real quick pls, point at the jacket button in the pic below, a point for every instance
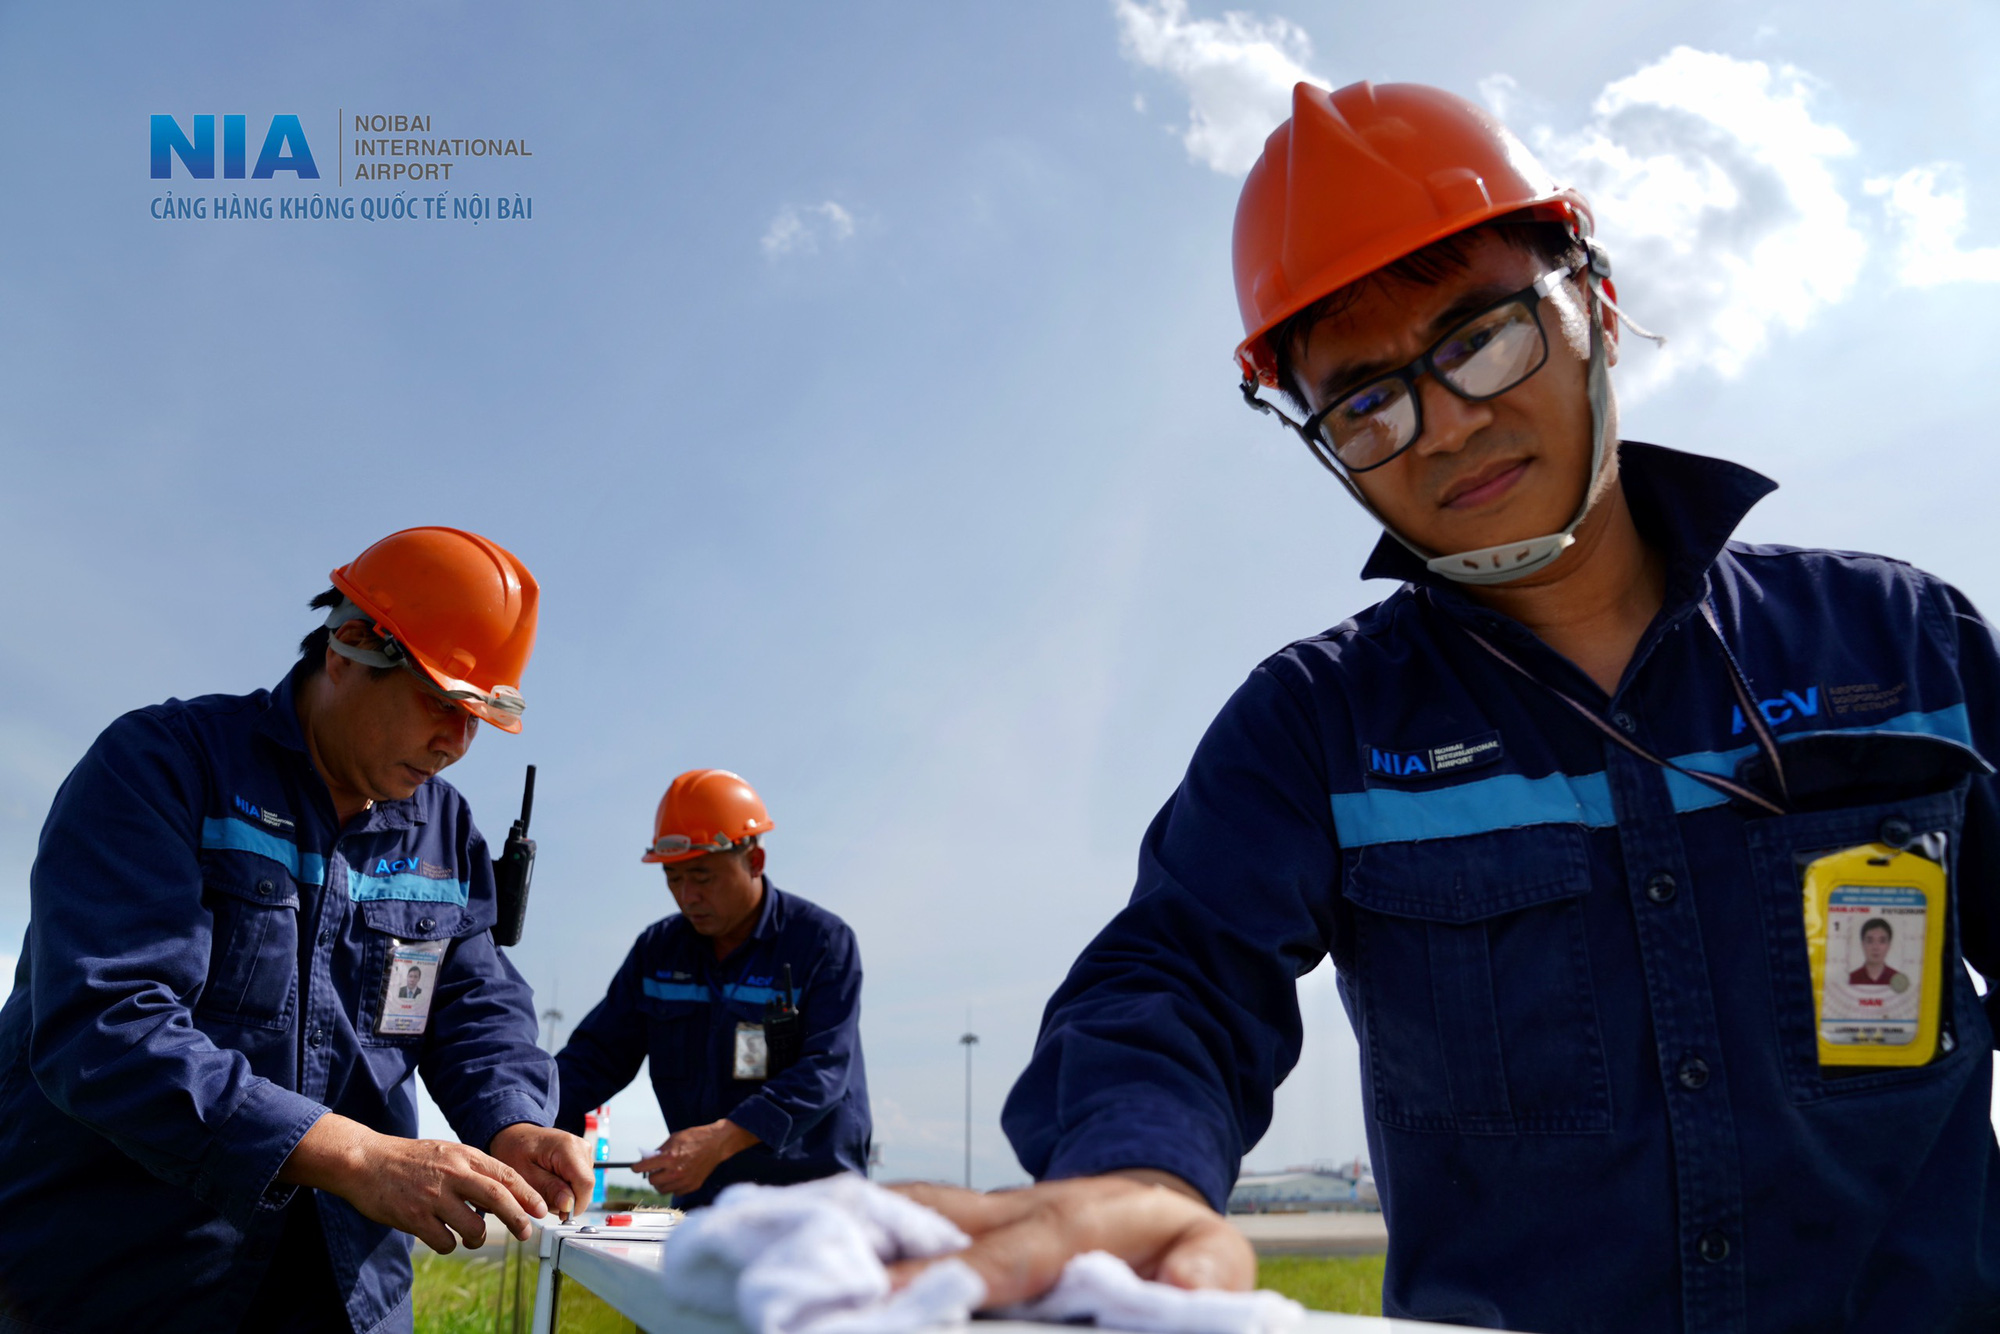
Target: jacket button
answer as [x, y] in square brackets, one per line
[1713, 1246]
[1896, 831]
[1624, 720]
[265, 889]
[1661, 888]
[316, 1038]
[426, 923]
[1694, 1073]
[326, 936]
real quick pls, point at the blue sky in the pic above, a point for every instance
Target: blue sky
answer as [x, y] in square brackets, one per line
[860, 392]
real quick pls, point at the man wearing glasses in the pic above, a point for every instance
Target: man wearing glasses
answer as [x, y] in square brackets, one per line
[1558, 809]
[745, 1005]
[221, 1001]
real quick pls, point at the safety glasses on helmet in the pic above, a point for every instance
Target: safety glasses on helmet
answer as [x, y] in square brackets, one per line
[503, 699]
[667, 845]
[1480, 359]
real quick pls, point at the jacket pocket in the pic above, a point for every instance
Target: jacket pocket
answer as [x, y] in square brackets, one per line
[1779, 848]
[384, 922]
[254, 951]
[1473, 973]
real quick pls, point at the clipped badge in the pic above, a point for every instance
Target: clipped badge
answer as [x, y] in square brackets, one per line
[1874, 918]
[409, 985]
[753, 1052]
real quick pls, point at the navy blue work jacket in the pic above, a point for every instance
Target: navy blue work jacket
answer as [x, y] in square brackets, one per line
[675, 1006]
[205, 962]
[1579, 980]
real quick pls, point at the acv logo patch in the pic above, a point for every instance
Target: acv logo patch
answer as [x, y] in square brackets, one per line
[411, 866]
[1779, 710]
[1431, 761]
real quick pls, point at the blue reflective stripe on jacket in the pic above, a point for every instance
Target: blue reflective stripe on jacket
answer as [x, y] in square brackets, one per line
[670, 1001]
[1579, 980]
[205, 960]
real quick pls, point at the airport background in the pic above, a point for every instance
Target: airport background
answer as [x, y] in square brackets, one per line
[860, 393]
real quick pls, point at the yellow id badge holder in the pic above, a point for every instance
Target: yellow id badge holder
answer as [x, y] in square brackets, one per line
[1875, 924]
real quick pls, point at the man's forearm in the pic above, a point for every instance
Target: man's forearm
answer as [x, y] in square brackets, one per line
[328, 1155]
[734, 1139]
[1153, 1176]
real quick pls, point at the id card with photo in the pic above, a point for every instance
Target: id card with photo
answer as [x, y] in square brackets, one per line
[408, 986]
[1874, 932]
[753, 1053]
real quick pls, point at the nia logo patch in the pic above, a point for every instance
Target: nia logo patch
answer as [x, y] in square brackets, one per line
[268, 818]
[1413, 766]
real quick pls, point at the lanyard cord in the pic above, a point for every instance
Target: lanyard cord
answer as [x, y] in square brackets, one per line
[1728, 787]
[710, 965]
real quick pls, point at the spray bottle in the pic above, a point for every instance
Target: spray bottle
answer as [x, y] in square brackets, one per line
[597, 1129]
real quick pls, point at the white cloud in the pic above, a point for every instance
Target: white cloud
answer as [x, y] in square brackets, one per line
[802, 229]
[1714, 188]
[1716, 181]
[1238, 72]
[1927, 207]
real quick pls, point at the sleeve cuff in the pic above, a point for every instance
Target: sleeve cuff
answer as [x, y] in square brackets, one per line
[764, 1119]
[478, 1125]
[240, 1177]
[1163, 1136]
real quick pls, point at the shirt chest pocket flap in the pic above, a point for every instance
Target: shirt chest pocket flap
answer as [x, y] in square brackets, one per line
[386, 923]
[402, 919]
[254, 948]
[1473, 971]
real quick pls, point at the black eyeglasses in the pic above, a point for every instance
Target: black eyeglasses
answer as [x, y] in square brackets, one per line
[1481, 359]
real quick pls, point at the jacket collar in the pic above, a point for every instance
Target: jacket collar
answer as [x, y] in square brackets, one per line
[771, 917]
[1686, 505]
[281, 714]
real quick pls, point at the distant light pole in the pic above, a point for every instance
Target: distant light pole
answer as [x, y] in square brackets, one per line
[969, 1040]
[552, 1018]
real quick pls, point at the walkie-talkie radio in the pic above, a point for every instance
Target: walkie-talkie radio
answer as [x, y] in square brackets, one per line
[512, 870]
[784, 1035]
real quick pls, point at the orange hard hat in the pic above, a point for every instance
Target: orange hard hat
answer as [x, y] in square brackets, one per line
[1362, 176]
[456, 608]
[705, 810]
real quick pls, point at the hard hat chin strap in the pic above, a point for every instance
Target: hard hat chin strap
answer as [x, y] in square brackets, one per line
[1510, 560]
[1517, 560]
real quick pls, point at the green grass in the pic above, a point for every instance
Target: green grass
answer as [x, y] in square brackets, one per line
[1346, 1283]
[453, 1295]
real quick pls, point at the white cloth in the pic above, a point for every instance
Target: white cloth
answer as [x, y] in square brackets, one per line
[1103, 1287]
[812, 1259]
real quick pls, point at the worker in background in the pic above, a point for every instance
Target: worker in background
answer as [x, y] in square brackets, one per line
[207, 1116]
[1569, 810]
[746, 1004]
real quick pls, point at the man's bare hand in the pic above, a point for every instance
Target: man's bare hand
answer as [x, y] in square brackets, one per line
[554, 1162]
[1021, 1239]
[425, 1187]
[679, 1166]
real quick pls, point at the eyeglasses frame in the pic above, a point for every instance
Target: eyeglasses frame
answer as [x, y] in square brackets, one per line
[1309, 432]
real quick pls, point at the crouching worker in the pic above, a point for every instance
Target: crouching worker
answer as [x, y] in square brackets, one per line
[747, 1003]
[213, 1027]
